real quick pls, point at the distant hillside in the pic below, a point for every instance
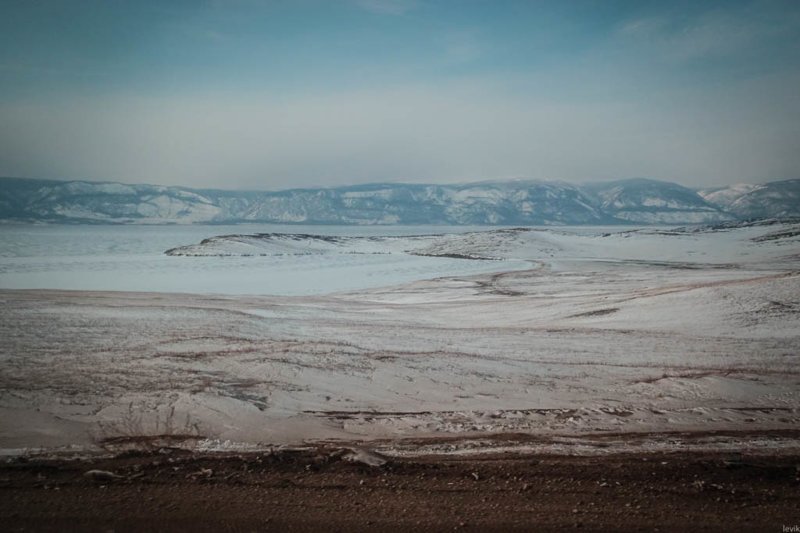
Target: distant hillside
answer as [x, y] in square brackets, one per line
[655, 202]
[776, 199]
[515, 202]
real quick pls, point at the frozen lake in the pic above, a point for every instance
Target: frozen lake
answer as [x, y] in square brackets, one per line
[131, 258]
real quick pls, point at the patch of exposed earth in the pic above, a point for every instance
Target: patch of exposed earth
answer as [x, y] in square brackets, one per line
[329, 488]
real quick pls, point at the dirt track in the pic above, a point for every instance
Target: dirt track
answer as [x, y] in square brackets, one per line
[319, 490]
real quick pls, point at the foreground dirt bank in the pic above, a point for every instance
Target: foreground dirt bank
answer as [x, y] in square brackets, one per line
[322, 490]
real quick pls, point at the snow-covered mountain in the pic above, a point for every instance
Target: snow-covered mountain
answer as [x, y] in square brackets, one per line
[82, 201]
[655, 202]
[516, 202]
[776, 199]
[483, 203]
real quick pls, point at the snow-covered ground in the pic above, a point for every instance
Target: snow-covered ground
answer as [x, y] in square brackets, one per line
[605, 333]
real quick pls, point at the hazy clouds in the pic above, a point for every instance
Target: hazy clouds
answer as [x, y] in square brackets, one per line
[700, 98]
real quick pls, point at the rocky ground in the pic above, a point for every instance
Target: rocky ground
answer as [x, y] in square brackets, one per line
[326, 489]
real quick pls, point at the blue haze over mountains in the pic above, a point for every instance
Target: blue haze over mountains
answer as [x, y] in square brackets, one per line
[515, 202]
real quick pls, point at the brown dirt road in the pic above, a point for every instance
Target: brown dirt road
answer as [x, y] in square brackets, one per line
[318, 490]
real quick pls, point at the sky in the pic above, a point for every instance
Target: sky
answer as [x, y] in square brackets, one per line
[263, 94]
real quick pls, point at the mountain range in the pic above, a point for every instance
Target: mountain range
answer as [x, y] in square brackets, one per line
[514, 202]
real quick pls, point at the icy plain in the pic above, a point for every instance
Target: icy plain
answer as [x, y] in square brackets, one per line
[569, 339]
[123, 258]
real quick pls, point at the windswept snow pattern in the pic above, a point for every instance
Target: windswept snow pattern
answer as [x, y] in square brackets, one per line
[616, 334]
[693, 244]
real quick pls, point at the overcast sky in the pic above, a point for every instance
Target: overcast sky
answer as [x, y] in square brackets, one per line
[277, 94]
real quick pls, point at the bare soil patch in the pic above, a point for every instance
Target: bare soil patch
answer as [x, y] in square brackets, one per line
[319, 489]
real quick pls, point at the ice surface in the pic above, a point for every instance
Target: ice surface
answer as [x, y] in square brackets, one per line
[121, 258]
